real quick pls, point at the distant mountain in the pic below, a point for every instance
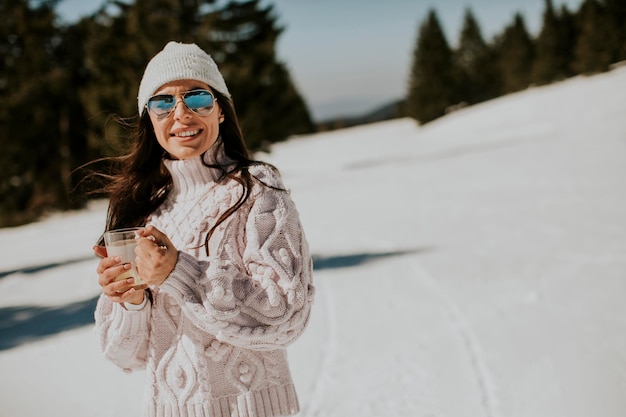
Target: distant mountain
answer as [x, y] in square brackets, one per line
[387, 111]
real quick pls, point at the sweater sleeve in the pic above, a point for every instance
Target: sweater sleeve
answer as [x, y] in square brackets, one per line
[123, 333]
[258, 296]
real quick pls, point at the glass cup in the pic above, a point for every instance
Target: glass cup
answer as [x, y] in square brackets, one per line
[122, 242]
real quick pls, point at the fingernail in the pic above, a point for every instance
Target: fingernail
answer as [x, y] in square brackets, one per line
[127, 266]
[130, 280]
[118, 259]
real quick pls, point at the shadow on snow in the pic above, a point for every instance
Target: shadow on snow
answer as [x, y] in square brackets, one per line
[24, 324]
[348, 261]
[40, 268]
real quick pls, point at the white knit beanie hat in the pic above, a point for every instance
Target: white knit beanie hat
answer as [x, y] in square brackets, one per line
[179, 61]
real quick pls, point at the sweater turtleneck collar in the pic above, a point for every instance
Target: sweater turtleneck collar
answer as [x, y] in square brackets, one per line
[190, 177]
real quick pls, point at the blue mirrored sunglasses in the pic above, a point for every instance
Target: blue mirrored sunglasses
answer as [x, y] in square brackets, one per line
[201, 102]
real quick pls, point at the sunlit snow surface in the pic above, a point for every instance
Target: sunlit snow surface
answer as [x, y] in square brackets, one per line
[475, 266]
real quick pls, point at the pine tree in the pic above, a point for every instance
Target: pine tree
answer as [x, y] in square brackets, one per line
[432, 88]
[568, 36]
[516, 54]
[616, 23]
[476, 64]
[270, 108]
[594, 47]
[554, 46]
[72, 119]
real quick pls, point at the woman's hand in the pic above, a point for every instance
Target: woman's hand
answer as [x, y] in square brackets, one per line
[118, 291]
[156, 256]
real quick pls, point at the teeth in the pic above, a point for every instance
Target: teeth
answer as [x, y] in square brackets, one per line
[188, 133]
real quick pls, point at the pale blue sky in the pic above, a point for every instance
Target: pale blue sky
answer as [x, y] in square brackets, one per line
[350, 56]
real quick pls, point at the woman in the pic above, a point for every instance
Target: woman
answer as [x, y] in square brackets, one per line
[222, 252]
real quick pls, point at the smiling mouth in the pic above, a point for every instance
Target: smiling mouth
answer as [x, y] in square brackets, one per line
[186, 134]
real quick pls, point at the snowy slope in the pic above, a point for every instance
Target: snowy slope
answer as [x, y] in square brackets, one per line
[471, 267]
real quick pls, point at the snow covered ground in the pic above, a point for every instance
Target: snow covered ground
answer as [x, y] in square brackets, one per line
[475, 266]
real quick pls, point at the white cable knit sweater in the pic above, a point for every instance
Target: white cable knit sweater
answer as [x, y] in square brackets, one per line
[213, 341]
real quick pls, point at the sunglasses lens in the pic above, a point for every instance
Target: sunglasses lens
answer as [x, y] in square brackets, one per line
[161, 105]
[200, 101]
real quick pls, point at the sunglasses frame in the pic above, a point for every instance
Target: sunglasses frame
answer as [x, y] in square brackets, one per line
[181, 97]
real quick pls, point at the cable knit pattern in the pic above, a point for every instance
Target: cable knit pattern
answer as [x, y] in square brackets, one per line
[214, 339]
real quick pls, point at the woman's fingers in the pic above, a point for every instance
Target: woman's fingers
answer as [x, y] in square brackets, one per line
[122, 295]
[117, 288]
[108, 277]
[110, 268]
[155, 238]
[106, 263]
[100, 251]
[156, 255]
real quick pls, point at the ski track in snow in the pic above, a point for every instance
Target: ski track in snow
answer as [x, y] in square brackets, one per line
[484, 381]
[329, 356]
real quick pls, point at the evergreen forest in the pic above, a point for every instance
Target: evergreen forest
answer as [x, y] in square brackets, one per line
[69, 89]
[443, 78]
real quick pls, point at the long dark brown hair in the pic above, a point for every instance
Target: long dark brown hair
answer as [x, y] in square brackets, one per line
[142, 182]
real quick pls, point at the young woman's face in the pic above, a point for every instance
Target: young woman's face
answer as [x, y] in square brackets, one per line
[184, 133]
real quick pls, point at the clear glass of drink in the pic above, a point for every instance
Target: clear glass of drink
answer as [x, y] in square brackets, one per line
[122, 242]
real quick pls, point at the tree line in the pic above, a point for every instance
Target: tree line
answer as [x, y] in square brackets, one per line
[69, 91]
[443, 78]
